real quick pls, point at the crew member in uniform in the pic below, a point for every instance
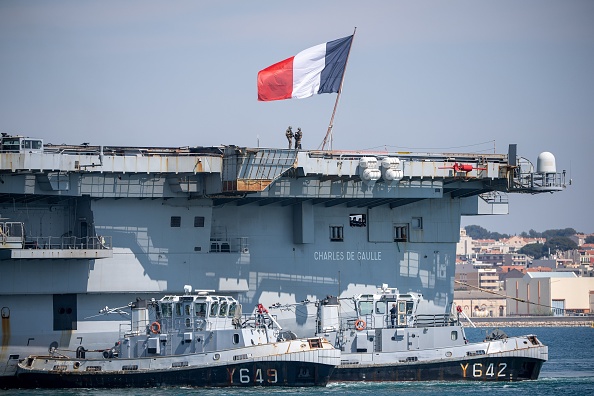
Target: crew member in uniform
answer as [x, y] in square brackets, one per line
[393, 313]
[289, 135]
[298, 136]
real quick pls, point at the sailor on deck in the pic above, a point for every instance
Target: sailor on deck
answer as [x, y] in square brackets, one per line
[298, 136]
[393, 313]
[289, 135]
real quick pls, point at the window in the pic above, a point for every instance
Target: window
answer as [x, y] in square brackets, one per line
[401, 233]
[336, 233]
[200, 309]
[199, 221]
[365, 308]
[417, 223]
[232, 308]
[166, 310]
[454, 335]
[214, 308]
[175, 221]
[358, 220]
[380, 307]
[223, 309]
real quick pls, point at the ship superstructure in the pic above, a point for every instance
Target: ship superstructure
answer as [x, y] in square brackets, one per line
[83, 226]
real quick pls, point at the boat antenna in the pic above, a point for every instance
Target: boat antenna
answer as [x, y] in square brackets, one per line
[329, 132]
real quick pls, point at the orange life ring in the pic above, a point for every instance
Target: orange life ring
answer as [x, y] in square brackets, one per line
[360, 324]
[155, 327]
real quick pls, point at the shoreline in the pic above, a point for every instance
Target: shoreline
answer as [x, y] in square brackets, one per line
[533, 321]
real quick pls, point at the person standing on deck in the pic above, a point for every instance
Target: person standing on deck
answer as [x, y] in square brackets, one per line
[298, 136]
[393, 313]
[289, 135]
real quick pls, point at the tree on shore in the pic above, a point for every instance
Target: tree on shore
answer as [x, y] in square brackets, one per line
[535, 250]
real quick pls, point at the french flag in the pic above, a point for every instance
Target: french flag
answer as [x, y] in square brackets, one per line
[315, 70]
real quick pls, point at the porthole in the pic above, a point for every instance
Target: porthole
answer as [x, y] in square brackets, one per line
[216, 356]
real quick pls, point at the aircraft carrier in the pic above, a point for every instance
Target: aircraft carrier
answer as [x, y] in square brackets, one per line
[88, 228]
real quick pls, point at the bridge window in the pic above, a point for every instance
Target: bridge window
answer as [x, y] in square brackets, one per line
[214, 308]
[166, 310]
[232, 308]
[175, 221]
[223, 309]
[417, 223]
[336, 233]
[365, 308]
[200, 309]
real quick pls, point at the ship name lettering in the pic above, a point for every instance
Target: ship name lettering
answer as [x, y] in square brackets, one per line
[245, 378]
[230, 372]
[349, 256]
[244, 375]
[329, 256]
[464, 367]
[272, 376]
[369, 256]
[258, 377]
[477, 370]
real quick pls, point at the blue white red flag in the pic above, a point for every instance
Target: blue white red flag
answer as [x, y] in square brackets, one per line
[313, 71]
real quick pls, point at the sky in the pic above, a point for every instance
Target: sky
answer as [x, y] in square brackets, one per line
[423, 76]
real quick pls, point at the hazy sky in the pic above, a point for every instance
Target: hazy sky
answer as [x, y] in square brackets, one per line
[437, 76]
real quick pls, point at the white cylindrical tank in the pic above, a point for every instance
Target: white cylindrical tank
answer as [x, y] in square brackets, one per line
[390, 169]
[368, 163]
[368, 169]
[546, 163]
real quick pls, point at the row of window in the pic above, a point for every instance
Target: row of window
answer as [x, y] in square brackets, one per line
[336, 232]
[400, 230]
[176, 221]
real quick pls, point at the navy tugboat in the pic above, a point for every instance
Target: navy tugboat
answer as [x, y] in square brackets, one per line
[389, 336]
[194, 340]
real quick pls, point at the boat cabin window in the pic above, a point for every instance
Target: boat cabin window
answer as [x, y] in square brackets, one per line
[178, 309]
[365, 307]
[232, 308]
[166, 310]
[409, 307]
[380, 307]
[223, 309]
[188, 309]
[454, 335]
[11, 145]
[214, 308]
[200, 309]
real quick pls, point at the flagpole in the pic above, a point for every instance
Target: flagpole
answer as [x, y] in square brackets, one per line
[329, 132]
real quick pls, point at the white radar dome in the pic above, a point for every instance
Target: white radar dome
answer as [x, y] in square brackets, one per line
[546, 163]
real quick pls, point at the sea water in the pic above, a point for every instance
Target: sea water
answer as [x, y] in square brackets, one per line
[569, 371]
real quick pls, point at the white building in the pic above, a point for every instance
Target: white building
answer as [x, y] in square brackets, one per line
[546, 293]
